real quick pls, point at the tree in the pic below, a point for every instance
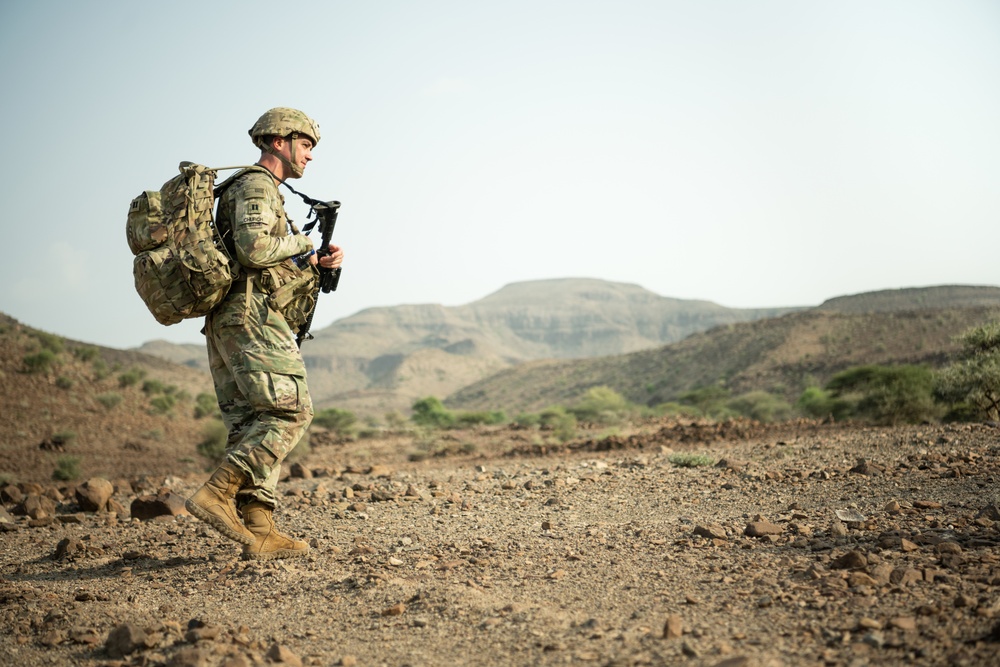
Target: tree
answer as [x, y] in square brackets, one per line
[972, 384]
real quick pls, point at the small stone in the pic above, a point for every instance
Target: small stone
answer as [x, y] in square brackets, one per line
[93, 495]
[867, 623]
[852, 560]
[966, 601]
[907, 546]
[283, 655]
[762, 529]
[394, 610]
[838, 529]
[927, 504]
[189, 656]
[905, 576]
[125, 640]
[712, 531]
[905, 623]
[674, 627]
[67, 548]
[948, 548]
[348, 661]
[146, 508]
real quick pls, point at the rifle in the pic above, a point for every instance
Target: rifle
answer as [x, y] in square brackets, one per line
[324, 213]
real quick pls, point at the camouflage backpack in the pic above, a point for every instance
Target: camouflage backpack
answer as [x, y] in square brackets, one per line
[181, 267]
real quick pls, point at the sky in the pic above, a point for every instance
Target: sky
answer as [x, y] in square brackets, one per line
[754, 154]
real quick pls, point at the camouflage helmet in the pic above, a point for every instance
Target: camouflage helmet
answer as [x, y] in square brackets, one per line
[281, 122]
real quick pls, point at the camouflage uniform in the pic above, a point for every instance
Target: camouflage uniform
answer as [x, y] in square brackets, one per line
[258, 371]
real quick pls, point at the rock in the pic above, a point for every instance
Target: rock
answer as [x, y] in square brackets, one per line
[674, 627]
[394, 610]
[852, 560]
[125, 640]
[991, 512]
[762, 529]
[948, 548]
[68, 548]
[850, 516]
[283, 655]
[712, 531]
[905, 623]
[189, 656]
[299, 471]
[94, 494]
[11, 495]
[149, 507]
[5, 516]
[838, 529]
[927, 504]
[905, 576]
[36, 506]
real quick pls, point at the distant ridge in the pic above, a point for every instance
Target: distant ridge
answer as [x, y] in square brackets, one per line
[915, 298]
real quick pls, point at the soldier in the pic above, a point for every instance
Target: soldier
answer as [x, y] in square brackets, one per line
[258, 371]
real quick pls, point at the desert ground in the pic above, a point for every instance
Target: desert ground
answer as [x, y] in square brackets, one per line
[796, 544]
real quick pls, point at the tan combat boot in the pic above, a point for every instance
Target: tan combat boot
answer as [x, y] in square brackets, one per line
[268, 542]
[213, 503]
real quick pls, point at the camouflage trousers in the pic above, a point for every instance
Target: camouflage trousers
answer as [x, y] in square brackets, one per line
[260, 382]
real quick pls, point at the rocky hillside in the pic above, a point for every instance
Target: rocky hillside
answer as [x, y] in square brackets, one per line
[97, 410]
[382, 359]
[781, 355]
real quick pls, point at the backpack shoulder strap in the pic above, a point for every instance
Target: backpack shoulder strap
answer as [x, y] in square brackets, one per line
[243, 170]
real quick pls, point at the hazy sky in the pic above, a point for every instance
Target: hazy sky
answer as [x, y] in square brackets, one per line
[765, 153]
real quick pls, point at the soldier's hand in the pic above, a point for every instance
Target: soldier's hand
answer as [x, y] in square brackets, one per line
[334, 259]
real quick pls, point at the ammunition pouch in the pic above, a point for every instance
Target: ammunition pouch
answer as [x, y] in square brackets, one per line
[291, 291]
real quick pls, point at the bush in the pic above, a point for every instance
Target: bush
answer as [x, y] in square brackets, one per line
[85, 352]
[40, 362]
[206, 405]
[888, 394]
[710, 401]
[150, 387]
[561, 423]
[819, 404]
[760, 405]
[342, 422]
[691, 460]
[474, 418]
[162, 405]
[601, 405]
[109, 400]
[64, 382]
[131, 377]
[67, 468]
[431, 412]
[214, 440]
[50, 342]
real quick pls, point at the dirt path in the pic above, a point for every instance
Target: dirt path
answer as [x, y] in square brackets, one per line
[577, 556]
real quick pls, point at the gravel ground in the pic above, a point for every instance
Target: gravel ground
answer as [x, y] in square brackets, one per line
[802, 544]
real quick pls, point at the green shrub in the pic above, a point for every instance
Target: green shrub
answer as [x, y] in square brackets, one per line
[40, 362]
[431, 412]
[528, 419]
[888, 394]
[64, 382]
[819, 404]
[131, 377]
[710, 401]
[688, 460]
[561, 423]
[67, 468]
[342, 422]
[761, 406]
[101, 369]
[485, 417]
[50, 342]
[601, 405]
[214, 439]
[162, 405]
[673, 409]
[85, 352]
[109, 400]
[150, 387]
[206, 405]
[64, 438]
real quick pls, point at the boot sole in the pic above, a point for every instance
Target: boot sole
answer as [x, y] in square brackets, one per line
[271, 555]
[218, 524]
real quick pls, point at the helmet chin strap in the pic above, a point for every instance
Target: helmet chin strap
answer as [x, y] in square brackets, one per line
[291, 164]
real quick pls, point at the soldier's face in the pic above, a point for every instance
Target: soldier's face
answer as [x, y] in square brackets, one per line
[303, 151]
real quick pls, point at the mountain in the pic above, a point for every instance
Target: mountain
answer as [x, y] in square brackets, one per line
[382, 359]
[781, 355]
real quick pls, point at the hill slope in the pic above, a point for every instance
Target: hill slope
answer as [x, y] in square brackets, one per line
[782, 355]
[382, 359]
[87, 403]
